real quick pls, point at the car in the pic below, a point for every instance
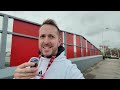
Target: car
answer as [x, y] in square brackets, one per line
[114, 57]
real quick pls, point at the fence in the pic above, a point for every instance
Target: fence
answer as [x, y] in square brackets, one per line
[24, 42]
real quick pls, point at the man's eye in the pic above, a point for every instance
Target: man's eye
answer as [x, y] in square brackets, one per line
[42, 36]
[50, 36]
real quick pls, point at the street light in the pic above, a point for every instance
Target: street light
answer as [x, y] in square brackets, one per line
[103, 47]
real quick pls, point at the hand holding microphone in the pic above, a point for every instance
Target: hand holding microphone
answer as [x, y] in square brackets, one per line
[24, 72]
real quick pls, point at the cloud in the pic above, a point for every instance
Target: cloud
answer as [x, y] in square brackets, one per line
[90, 24]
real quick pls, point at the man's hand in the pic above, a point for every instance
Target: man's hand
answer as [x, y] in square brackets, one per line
[22, 72]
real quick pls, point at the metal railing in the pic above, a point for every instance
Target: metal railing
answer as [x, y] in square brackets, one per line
[4, 32]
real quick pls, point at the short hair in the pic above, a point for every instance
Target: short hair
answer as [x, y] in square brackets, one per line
[53, 23]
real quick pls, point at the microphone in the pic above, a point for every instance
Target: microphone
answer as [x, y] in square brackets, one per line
[35, 60]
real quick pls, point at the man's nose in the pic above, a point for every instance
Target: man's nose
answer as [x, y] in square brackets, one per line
[46, 40]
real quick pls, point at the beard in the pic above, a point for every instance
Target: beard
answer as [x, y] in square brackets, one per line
[51, 53]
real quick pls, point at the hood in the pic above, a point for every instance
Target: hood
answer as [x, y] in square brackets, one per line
[60, 50]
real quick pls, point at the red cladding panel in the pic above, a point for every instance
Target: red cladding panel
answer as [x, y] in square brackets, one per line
[88, 52]
[22, 50]
[69, 38]
[84, 43]
[84, 51]
[78, 52]
[25, 28]
[61, 36]
[94, 52]
[90, 46]
[91, 52]
[87, 45]
[78, 40]
[70, 52]
[97, 51]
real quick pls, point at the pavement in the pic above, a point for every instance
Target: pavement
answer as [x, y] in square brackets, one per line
[105, 69]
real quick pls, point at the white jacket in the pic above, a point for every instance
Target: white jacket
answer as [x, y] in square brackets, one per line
[61, 68]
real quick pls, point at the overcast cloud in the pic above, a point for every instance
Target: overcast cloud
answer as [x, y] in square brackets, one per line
[95, 26]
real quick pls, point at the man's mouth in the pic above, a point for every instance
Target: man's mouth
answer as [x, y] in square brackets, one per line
[47, 47]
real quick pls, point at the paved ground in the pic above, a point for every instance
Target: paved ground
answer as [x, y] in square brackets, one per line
[105, 69]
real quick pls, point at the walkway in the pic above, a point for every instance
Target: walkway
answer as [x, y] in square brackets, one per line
[105, 69]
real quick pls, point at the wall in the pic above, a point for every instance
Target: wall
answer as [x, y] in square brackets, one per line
[82, 63]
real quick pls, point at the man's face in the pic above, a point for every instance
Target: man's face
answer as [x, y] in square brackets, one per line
[49, 40]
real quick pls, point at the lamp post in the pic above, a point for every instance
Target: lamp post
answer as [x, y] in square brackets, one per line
[103, 46]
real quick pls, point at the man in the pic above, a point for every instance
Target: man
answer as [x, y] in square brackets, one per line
[52, 62]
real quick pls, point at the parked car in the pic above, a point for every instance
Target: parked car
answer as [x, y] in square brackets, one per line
[114, 57]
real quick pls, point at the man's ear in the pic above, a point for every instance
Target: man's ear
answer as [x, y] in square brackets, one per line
[60, 42]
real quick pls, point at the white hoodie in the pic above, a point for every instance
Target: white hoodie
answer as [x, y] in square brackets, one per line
[61, 68]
